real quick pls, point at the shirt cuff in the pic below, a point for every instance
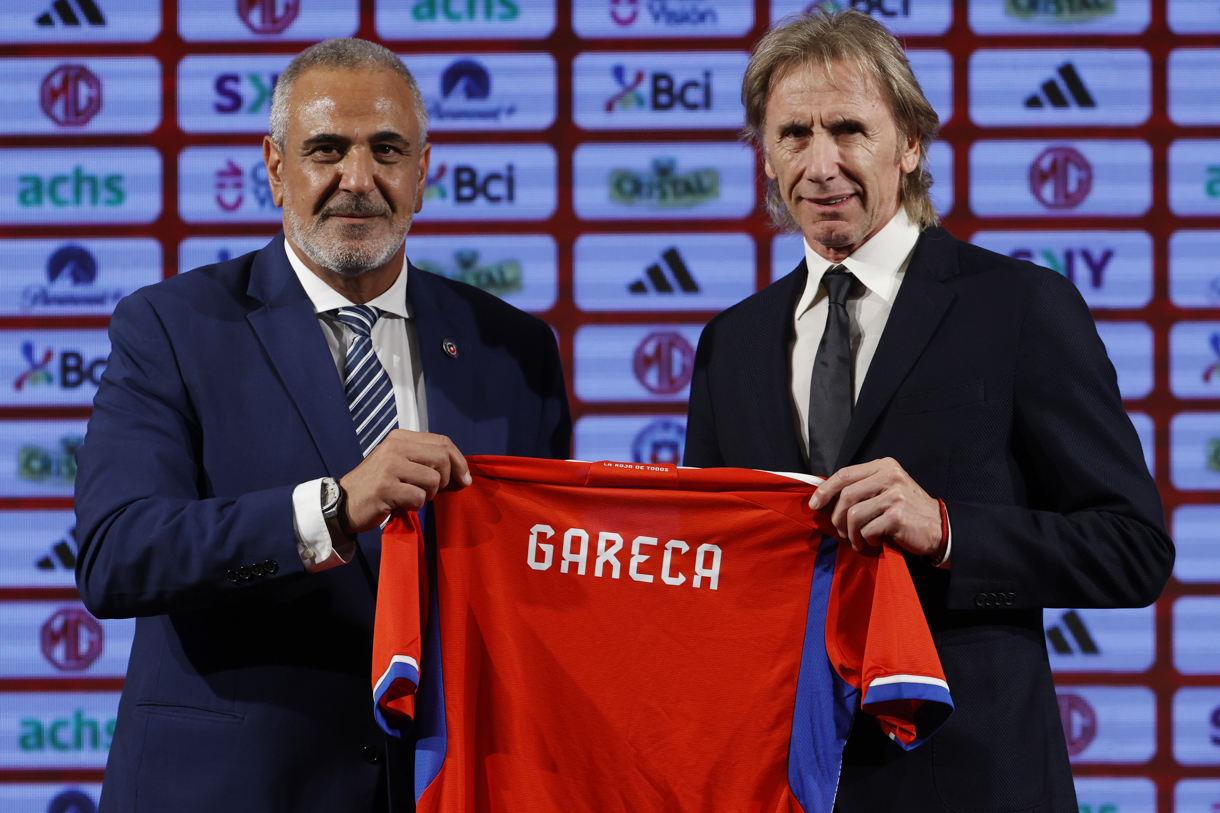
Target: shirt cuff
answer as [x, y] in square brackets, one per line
[944, 563]
[314, 544]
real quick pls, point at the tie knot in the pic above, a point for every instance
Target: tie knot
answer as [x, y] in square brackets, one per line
[838, 282]
[360, 318]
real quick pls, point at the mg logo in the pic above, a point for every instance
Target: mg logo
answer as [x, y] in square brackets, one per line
[1060, 178]
[71, 95]
[664, 362]
[71, 640]
[1079, 722]
[268, 16]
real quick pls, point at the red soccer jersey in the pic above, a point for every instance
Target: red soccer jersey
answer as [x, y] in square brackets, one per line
[626, 637]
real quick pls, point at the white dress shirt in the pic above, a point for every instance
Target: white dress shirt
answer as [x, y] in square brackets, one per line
[397, 348]
[879, 265]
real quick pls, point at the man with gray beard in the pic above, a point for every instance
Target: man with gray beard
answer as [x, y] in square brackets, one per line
[258, 422]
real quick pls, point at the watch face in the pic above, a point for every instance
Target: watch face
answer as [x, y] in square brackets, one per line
[330, 494]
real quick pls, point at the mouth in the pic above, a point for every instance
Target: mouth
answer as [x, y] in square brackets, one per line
[830, 202]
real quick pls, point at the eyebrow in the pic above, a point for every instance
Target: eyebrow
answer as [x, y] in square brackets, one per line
[380, 137]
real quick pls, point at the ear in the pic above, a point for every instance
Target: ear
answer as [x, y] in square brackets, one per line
[274, 159]
[767, 168]
[424, 157]
[908, 158]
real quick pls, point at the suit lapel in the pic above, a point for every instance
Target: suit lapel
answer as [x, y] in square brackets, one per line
[922, 302]
[288, 329]
[768, 365]
[449, 380]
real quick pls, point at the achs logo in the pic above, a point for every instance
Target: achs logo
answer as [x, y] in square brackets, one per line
[62, 554]
[1213, 369]
[664, 362]
[71, 95]
[72, 801]
[1053, 91]
[463, 82]
[877, 8]
[71, 640]
[1079, 722]
[37, 372]
[1073, 625]
[660, 443]
[71, 271]
[232, 185]
[1059, 11]
[71, 13]
[39, 465]
[449, 11]
[268, 16]
[1066, 264]
[77, 188]
[663, 187]
[628, 96]
[665, 92]
[498, 278]
[656, 280]
[1060, 178]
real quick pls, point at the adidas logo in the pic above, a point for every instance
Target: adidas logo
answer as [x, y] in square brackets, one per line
[1075, 627]
[1053, 91]
[70, 13]
[62, 555]
[655, 279]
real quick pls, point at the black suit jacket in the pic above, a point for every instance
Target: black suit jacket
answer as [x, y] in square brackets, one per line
[991, 387]
[221, 395]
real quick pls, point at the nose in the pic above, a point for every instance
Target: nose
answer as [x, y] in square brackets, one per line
[356, 173]
[822, 159]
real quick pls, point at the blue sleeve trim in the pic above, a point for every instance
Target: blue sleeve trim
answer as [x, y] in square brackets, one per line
[938, 705]
[399, 670]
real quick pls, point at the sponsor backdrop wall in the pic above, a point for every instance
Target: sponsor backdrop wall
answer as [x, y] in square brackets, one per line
[586, 169]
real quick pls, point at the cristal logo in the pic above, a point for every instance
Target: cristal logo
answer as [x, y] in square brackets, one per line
[1060, 11]
[663, 187]
[268, 16]
[71, 640]
[624, 12]
[37, 372]
[499, 278]
[1079, 722]
[660, 443]
[231, 186]
[664, 362]
[1060, 178]
[629, 95]
[38, 464]
[71, 95]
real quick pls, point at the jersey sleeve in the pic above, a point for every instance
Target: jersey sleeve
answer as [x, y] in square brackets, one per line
[397, 630]
[878, 641]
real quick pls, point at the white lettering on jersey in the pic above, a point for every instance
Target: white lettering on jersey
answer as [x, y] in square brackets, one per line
[605, 554]
[637, 557]
[665, 563]
[532, 558]
[578, 558]
[713, 572]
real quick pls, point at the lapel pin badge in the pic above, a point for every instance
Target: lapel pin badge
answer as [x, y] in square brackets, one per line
[450, 348]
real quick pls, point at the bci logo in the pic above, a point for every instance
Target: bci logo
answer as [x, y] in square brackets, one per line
[1071, 262]
[76, 188]
[71, 640]
[74, 370]
[659, 90]
[460, 11]
[467, 185]
[79, 732]
[71, 95]
[244, 93]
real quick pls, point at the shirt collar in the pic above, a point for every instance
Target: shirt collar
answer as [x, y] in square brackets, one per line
[326, 298]
[877, 263]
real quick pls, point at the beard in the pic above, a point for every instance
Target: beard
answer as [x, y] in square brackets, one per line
[346, 249]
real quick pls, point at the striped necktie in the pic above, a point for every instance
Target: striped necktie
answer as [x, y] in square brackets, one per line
[370, 395]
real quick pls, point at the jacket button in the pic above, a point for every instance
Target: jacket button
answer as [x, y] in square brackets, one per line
[269, 567]
[371, 755]
[256, 569]
[980, 600]
[243, 573]
[231, 576]
[1009, 599]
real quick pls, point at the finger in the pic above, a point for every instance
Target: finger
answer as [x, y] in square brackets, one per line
[853, 495]
[836, 482]
[868, 520]
[458, 467]
[407, 495]
[423, 476]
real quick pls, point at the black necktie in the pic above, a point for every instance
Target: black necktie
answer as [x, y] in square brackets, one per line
[830, 391]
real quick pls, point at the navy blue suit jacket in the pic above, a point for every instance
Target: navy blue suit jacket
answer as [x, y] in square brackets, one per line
[219, 398]
[992, 389]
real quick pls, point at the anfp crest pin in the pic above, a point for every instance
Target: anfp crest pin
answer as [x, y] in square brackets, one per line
[450, 348]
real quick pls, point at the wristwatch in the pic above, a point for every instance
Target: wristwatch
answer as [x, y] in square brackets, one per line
[332, 503]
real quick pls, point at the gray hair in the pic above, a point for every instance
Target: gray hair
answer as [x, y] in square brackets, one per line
[340, 54]
[822, 39]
